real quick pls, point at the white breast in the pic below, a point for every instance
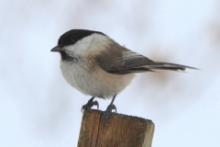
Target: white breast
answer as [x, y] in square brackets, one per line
[95, 83]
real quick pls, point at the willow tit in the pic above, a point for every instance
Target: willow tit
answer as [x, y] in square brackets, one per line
[98, 66]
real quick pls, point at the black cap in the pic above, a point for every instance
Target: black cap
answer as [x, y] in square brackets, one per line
[72, 36]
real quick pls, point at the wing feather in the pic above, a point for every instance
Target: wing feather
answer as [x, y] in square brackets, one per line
[120, 60]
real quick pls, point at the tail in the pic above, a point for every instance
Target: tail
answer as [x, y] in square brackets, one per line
[168, 66]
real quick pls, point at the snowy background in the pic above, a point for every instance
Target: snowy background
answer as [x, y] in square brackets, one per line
[39, 109]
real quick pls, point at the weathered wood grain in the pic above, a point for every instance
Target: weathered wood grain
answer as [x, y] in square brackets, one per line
[117, 130]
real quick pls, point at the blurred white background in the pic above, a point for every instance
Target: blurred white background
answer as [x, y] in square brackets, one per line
[39, 109]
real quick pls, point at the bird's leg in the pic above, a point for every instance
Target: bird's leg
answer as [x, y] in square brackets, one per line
[111, 107]
[90, 104]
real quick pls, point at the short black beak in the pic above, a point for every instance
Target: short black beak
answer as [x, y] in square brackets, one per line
[56, 49]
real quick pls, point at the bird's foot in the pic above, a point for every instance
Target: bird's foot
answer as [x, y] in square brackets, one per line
[90, 104]
[111, 108]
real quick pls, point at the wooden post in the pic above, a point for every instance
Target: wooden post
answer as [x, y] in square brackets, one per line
[117, 130]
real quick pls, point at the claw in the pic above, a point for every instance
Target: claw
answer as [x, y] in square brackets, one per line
[111, 108]
[90, 104]
[95, 103]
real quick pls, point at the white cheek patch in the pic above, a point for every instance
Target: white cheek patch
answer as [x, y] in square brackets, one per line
[92, 44]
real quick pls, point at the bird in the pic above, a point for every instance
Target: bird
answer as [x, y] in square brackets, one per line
[96, 65]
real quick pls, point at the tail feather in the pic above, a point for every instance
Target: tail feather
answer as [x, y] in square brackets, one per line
[168, 66]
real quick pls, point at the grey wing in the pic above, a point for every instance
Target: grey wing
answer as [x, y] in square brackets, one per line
[119, 60]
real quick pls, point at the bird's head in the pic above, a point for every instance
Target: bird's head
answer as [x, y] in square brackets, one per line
[76, 41]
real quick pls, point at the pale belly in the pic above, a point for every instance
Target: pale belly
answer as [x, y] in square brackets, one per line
[95, 83]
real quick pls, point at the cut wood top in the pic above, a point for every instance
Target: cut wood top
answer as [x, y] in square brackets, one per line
[115, 130]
